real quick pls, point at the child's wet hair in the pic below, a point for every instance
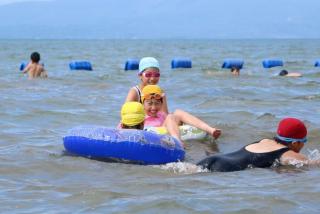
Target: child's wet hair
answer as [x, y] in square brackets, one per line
[138, 126]
[283, 73]
[35, 57]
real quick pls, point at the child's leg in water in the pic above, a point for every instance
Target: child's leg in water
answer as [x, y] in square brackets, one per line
[172, 127]
[184, 117]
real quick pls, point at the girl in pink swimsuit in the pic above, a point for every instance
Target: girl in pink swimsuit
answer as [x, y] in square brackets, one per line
[152, 99]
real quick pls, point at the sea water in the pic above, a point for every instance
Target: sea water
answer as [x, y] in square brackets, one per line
[37, 177]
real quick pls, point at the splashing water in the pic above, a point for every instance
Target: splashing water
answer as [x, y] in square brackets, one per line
[182, 168]
[297, 163]
[314, 154]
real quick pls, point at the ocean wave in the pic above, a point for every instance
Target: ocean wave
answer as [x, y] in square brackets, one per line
[181, 168]
[308, 97]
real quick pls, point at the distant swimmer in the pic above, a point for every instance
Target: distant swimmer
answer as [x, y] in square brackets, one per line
[287, 74]
[34, 69]
[235, 71]
[282, 150]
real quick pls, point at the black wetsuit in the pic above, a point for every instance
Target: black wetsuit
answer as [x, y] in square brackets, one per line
[240, 160]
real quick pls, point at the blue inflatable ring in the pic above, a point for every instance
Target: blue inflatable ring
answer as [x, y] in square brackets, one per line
[123, 145]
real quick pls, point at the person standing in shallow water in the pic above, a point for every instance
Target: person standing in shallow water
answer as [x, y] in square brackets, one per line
[235, 71]
[34, 69]
[284, 148]
[149, 74]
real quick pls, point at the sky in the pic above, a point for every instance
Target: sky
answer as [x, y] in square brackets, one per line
[159, 19]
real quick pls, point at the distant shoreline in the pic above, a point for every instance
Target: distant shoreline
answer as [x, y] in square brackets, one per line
[163, 39]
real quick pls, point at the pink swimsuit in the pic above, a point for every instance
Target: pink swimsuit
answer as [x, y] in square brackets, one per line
[155, 121]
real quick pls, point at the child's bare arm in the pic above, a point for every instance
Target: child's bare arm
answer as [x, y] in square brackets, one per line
[27, 68]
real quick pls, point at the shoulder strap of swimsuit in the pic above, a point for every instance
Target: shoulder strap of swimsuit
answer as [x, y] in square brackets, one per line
[138, 92]
[281, 151]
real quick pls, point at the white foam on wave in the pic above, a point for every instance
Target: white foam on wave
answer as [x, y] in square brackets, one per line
[313, 155]
[297, 163]
[182, 168]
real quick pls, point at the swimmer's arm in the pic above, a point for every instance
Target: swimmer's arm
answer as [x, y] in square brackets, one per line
[292, 158]
[26, 69]
[132, 96]
[294, 75]
[313, 162]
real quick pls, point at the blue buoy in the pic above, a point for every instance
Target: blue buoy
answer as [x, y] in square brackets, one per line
[269, 63]
[181, 63]
[80, 65]
[317, 63]
[233, 63]
[131, 64]
[23, 65]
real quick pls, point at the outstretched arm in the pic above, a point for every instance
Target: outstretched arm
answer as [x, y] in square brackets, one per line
[26, 69]
[294, 158]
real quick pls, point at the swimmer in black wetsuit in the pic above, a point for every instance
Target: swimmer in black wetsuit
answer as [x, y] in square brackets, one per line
[241, 160]
[290, 139]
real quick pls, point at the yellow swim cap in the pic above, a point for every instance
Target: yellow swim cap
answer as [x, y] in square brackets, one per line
[151, 89]
[132, 113]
